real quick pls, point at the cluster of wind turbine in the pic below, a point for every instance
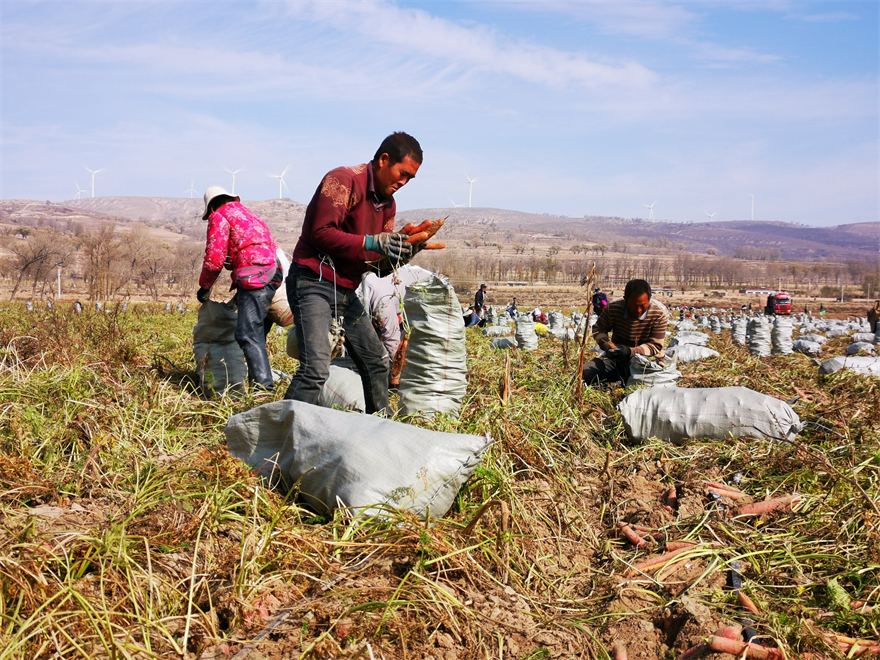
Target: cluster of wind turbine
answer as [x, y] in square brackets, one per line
[93, 173]
[280, 178]
[470, 189]
[650, 208]
[233, 176]
[79, 191]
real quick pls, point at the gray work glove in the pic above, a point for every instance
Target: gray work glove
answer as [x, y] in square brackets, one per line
[389, 245]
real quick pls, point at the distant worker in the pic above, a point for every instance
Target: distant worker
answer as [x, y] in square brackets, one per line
[480, 300]
[538, 316]
[349, 222]
[874, 315]
[600, 301]
[513, 308]
[637, 325]
[241, 242]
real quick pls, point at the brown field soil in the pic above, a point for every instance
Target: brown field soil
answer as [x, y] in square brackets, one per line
[129, 532]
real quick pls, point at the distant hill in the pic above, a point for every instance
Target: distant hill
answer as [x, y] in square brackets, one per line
[172, 219]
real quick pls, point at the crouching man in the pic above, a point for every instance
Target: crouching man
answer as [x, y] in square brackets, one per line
[634, 325]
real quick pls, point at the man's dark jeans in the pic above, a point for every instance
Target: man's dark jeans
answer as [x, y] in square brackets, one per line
[251, 330]
[313, 302]
[605, 370]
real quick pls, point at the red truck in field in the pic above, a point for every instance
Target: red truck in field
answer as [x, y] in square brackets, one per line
[778, 303]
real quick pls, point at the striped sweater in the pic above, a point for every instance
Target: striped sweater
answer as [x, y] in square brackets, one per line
[643, 336]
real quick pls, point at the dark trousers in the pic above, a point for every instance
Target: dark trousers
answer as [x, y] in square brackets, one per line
[605, 370]
[314, 303]
[251, 330]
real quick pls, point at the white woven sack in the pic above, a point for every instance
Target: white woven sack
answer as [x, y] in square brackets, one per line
[343, 388]
[837, 332]
[554, 321]
[806, 346]
[650, 372]
[219, 360]
[360, 460]
[877, 335]
[496, 331]
[676, 414]
[819, 339]
[686, 353]
[526, 338]
[863, 336]
[759, 336]
[867, 366]
[738, 330]
[434, 376]
[780, 336]
[715, 324]
[860, 347]
[692, 338]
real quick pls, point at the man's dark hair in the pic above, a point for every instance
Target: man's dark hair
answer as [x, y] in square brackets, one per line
[636, 288]
[398, 146]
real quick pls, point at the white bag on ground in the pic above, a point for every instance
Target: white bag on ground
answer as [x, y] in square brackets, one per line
[692, 338]
[781, 336]
[759, 336]
[496, 331]
[837, 332]
[686, 353]
[502, 343]
[343, 388]
[360, 460]
[219, 360]
[859, 347]
[434, 376]
[555, 321]
[715, 324]
[863, 336]
[867, 366]
[716, 413]
[649, 372]
[491, 316]
[738, 330]
[819, 339]
[807, 347]
[877, 335]
[526, 338]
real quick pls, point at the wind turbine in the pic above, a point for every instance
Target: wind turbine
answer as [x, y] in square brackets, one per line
[280, 178]
[650, 210]
[79, 191]
[753, 208]
[454, 205]
[711, 215]
[233, 176]
[470, 189]
[93, 172]
[191, 190]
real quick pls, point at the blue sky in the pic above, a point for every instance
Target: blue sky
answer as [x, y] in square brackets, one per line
[555, 107]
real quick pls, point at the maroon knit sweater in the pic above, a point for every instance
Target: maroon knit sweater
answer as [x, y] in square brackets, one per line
[344, 209]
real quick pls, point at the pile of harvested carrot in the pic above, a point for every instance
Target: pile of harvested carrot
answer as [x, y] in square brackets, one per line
[420, 234]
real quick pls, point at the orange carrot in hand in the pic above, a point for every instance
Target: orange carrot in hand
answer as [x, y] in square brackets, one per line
[434, 246]
[421, 237]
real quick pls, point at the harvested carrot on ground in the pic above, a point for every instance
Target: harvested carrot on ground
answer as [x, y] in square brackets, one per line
[631, 535]
[735, 647]
[619, 651]
[748, 603]
[759, 508]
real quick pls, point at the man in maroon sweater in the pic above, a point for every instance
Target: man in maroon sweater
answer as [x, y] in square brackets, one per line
[349, 222]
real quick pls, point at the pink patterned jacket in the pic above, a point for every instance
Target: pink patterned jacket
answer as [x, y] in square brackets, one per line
[237, 237]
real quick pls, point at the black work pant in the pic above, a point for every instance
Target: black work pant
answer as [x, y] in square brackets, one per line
[605, 370]
[314, 303]
[251, 330]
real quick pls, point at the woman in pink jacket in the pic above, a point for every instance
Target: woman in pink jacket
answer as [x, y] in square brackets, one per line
[241, 242]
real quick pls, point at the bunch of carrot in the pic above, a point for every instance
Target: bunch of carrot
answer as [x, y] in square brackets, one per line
[420, 234]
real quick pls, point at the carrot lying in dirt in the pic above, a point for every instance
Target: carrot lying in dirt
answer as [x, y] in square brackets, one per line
[729, 632]
[619, 651]
[679, 545]
[734, 647]
[760, 508]
[747, 603]
[657, 561]
[631, 536]
[693, 652]
[725, 490]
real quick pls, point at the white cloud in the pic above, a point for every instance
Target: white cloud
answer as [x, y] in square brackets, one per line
[830, 17]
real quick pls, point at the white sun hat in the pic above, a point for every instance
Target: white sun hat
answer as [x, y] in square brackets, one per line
[213, 192]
